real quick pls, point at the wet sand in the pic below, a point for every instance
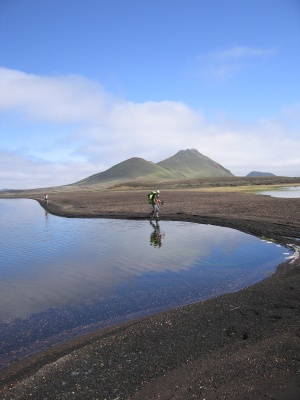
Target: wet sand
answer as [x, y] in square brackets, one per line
[244, 345]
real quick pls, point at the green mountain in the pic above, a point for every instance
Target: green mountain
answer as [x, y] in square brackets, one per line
[132, 168]
[186, 164]
[192, 164]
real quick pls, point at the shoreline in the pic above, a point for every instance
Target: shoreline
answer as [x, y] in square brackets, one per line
[242, 345]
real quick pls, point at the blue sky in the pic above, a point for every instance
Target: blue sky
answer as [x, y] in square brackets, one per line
[87, 84]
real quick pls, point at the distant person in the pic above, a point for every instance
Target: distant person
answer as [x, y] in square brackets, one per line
[46, 198]
[156, 202]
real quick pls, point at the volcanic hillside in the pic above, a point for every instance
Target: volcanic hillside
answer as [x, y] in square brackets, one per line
[186, 164]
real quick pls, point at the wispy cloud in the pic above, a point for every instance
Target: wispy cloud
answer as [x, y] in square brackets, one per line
[242, 53]
[224, 64]
[292, 111]
[95, 130]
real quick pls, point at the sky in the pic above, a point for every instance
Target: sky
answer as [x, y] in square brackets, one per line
[86, 84]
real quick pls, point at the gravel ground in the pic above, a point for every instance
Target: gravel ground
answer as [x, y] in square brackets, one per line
[244, 345]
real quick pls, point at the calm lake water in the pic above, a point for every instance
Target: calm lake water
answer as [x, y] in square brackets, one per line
[62, 277]
[285, 192]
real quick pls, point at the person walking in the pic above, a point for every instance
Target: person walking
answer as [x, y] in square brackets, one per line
[156, 202]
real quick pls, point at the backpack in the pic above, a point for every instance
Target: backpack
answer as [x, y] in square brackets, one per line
[150, 197]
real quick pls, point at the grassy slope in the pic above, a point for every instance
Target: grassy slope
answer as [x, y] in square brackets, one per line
[185, 164]
[192, 164]
[130, 169]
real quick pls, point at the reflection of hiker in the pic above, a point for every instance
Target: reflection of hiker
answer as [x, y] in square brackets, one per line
[46, 198]
[156, 202]
[156, 236]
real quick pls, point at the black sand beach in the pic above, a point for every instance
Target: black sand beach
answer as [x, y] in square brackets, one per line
[244, 345]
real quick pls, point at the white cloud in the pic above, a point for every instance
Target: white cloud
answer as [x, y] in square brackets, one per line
[21, 172]
[95, 131]
[66, 99]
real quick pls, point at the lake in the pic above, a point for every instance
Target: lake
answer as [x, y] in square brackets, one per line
[289, 192]
[62, 277]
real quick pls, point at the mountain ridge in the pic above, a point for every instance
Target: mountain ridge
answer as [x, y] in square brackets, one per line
[185, 164]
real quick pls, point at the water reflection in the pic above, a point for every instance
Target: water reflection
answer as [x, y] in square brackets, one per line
[66, 262]
[156, 235]
[69, 275]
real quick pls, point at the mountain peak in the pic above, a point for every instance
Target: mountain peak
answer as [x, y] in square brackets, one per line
[188, 152]
[192, 164]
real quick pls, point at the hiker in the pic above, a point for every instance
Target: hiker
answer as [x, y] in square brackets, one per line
[156, 202]
[46, 198]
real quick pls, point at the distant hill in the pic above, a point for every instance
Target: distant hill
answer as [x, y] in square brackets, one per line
[186, 164]
[256, 173]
